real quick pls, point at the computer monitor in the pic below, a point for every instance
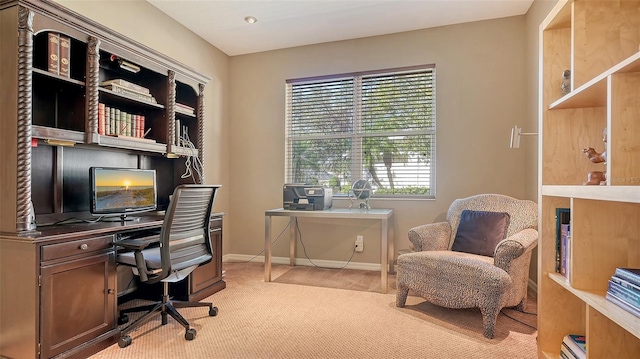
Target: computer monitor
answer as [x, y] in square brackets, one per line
[122, 191]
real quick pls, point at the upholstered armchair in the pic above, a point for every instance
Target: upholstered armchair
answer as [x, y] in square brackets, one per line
[455, 264]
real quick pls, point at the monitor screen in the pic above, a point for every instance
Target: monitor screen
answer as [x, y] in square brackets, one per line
[122, 190]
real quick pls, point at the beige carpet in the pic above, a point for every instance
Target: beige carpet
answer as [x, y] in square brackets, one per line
[283, 320]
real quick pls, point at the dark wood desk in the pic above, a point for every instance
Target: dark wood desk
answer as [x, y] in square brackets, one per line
[58, 286]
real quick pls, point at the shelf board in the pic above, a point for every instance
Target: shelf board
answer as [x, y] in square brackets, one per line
[594, 92]
[597, 301]
[57, 77]
[185, 114]
[182, 151]
[627, 194]
[561, 17]
[132, 144]
[56, 134]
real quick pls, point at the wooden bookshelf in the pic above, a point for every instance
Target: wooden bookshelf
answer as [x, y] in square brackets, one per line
[599, 42]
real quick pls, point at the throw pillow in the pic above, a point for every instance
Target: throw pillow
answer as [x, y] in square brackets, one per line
[480, 231]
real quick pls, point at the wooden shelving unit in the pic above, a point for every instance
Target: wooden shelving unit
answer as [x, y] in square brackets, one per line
[599, 41]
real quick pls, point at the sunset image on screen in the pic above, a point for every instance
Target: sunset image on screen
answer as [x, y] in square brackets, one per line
[121, 189]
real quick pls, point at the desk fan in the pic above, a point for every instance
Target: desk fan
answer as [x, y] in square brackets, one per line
[361, 190]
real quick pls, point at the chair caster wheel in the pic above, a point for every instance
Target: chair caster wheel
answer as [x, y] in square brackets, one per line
[123, 319]
[190, 334]
[124, 341]
[213, 311]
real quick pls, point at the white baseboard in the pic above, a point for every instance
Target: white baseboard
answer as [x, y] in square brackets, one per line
[302, 262]
[322, 263]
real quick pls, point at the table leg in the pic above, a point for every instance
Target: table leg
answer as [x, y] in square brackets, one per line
[267, 248]
[293, 239]
[384, 257]
[392, 251]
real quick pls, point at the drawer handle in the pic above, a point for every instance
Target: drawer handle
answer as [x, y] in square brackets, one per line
[110, 291]
[84, 246]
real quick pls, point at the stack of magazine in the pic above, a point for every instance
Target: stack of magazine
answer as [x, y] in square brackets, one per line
[574, 347]
[130, 89]
[624, 289]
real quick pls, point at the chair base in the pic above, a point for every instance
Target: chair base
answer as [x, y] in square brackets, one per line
[164, 308]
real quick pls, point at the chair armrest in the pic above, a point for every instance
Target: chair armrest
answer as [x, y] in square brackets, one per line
[514, 247]
[136, 244]
[431, 237]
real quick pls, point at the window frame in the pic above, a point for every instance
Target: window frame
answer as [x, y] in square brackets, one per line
[357, 136]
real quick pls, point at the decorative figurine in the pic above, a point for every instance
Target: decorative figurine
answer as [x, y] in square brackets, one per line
[566, 82]
[597, 177]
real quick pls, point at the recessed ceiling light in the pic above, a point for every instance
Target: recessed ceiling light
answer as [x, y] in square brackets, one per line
[250, 19]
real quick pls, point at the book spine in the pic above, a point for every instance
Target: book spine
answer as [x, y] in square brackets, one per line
[128, 130]
[564, 253]
[101, 116]
[626, 283]
[564, 354]
[54, 53]
[107, 125]
[625, 294]
[122, 128]
[143, 131]
[627, 275]
[177, 133]
[132, 119]
[129, 85]
[65, 51]
[112, 121]
[622, 304]
[116, 128]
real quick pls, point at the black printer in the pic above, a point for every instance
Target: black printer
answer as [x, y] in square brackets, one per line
[306, 197]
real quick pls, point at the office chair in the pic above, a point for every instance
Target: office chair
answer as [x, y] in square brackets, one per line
[184, 244]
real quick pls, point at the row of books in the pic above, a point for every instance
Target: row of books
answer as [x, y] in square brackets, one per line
[59, 51]
[181, 134]
[115, 122]
[130, 89]
[624, 289]
[573, 347]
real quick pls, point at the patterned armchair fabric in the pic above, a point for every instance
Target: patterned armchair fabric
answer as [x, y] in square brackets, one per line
[463, 280]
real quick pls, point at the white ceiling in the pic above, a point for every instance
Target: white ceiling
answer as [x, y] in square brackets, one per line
[290, 23]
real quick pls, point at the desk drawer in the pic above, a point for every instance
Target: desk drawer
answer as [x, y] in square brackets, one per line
[55, 251]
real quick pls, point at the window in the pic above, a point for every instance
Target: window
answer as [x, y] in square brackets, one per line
[379, 126]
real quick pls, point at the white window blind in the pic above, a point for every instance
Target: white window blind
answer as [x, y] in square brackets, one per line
[378, 126]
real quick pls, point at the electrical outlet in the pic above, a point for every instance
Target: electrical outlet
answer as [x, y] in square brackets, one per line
[359, 243]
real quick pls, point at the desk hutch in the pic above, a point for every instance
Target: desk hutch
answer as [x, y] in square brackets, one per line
[58, 284]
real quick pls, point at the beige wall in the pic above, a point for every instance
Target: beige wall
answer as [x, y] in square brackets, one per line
[481, 94]
[146, 24]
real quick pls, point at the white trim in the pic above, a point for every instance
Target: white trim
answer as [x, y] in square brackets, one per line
[302, 262]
